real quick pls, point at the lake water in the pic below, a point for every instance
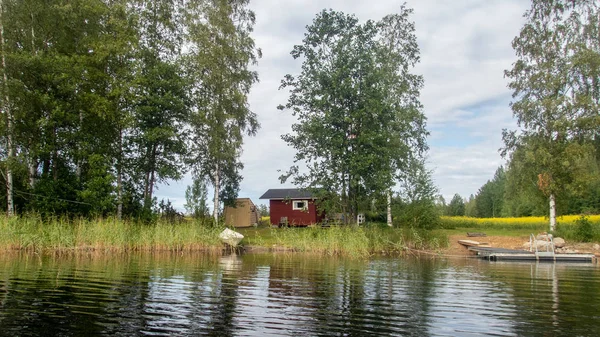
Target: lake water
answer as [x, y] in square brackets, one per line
[258, 295]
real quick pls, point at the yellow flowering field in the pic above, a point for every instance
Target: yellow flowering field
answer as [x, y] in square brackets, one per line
[507, 223]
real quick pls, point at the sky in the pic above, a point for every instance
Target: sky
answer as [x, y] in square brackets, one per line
[465, 47]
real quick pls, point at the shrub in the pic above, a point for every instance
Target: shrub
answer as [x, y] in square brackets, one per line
[584, 231]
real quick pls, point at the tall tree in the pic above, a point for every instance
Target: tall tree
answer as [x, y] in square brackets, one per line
[222, 52]
[360, 123]
[556, 90]
[471, 207]
[8, 118]
[161, 102]
[119, 47]
[196, 197]
[456, 207]
[490, 197]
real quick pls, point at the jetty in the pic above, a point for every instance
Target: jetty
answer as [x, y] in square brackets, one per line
[503, 254]
[541, 249]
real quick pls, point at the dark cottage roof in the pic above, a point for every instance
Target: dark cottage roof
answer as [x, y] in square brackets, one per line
[287, 193]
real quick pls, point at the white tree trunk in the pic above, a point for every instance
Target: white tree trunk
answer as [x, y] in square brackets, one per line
[9, 126]
[389, 209]
[120, 176]
[32, 171]
[552, 213]
[216, 197]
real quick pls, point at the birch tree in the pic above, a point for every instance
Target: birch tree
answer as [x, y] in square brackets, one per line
[556, 91]
[6, 112]
[222, 53]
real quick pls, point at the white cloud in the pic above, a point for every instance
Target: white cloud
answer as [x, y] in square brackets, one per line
[465, 48]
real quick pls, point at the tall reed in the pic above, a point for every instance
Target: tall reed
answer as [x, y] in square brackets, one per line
[30, 232]
[355, 241]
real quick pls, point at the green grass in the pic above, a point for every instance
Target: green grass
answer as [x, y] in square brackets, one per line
[30, 232]
[351, 241]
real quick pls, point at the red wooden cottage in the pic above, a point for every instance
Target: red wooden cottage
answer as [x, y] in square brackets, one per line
[292, 206]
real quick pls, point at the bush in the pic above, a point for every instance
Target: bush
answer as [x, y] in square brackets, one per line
[418, 214]
[584, 231]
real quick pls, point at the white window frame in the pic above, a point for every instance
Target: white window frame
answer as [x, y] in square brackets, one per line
[297, 208]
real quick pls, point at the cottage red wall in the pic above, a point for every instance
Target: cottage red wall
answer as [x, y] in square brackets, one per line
[280, 208]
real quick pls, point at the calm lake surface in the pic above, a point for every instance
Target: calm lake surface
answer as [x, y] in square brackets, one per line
[258, 295]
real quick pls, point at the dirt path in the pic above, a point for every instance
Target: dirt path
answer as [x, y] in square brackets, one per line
[511, 242]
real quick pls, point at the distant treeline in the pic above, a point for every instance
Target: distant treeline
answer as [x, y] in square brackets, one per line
[553, 157]
[104, 99]
[505, 196]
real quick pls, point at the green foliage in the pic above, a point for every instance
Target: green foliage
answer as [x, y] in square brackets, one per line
[555, 90]
[584, 231]
[360, 123]
[222, 52]
[263, 210]
[168, 213]
[490, 197]
[97, 189]
[106, 98]
[196, 197]
[456, 206]
[415, 204]
[471, 206]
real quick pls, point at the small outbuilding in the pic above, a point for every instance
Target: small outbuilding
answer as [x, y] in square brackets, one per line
[293, 207]
[244, 214]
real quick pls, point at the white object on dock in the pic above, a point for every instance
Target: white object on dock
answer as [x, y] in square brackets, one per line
[230, 237]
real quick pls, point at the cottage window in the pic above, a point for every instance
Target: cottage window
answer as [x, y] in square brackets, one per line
[300, 205]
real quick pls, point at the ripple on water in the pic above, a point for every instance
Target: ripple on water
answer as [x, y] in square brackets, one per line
[258, 295]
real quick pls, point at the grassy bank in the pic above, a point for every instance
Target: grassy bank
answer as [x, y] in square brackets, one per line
[32, 233]
[346, 240]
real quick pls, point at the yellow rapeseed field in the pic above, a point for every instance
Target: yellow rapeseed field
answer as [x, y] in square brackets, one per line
[521, 220]
[532, 220]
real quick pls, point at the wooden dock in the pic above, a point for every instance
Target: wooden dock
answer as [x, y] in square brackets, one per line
[503, 254]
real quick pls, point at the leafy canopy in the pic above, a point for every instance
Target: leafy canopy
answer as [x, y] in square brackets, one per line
[360, 123]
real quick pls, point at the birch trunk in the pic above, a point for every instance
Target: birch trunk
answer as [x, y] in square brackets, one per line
[9, 126]
[33, 162]
[32, 171]
[216, 196]
[389, 209]
[552, 212]
[79, 160]
[120, 177]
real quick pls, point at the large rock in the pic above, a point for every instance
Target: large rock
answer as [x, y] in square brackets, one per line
[559, 242]
[541, 245]
[230, 237]
[543, 236]
[596, 247]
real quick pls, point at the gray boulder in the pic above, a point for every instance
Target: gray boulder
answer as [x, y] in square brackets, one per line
[559, 242]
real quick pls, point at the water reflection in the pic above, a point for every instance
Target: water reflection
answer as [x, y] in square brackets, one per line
[258, 295]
